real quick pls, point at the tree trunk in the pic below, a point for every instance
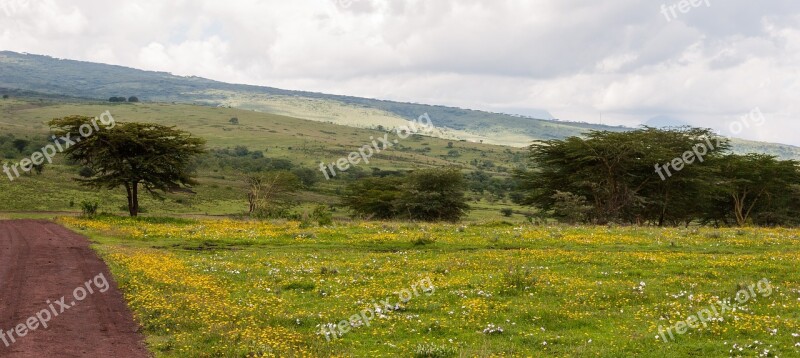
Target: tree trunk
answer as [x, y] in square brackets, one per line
[135, 200]
[130, 198]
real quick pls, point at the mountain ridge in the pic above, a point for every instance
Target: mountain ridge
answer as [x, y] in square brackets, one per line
[82, 79]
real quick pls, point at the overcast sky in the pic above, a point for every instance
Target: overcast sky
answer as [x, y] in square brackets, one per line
[628, 60]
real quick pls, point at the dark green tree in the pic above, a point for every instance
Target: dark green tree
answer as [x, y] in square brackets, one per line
[617, 173]
[757, 185]
[154, 157]
[374, 197]
[308, 177]
[434, 195]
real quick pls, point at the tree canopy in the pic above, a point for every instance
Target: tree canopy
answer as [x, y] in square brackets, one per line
[425, 195]
[655, 176]
[156, 157]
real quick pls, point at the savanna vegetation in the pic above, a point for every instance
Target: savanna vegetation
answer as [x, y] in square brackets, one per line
[211, 288]
[246, 250]
[659, 177]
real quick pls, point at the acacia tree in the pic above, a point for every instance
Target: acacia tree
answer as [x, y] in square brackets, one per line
[754, 183]
[434, 195]
[615, 173]
[426, 195]
[156, 157]
[374, 198]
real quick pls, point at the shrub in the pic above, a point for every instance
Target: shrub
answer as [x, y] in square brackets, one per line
[322, 215]
[571, 208]
[89, 209]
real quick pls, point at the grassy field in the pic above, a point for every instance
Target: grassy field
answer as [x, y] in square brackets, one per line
[301, 141]
[222, 192]
[238, 289]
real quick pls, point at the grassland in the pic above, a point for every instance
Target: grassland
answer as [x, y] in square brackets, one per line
[222, 192]
[236, 289]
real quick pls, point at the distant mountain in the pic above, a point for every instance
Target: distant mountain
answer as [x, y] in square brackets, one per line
[79, 79]
[99, 81]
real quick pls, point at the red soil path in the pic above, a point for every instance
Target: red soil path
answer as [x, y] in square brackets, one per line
[41, 261]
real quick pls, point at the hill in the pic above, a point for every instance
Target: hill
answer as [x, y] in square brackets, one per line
[49, 76]
[98, 81]
[303, 144]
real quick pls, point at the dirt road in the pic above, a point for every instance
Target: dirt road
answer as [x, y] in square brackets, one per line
[41, 262]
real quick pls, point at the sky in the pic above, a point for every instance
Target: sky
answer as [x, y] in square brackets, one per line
[731, 65]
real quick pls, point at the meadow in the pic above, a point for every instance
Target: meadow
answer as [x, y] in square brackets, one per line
[229, 288]
[222, 189]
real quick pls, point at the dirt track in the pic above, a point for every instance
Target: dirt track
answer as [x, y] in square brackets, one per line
[41, 261]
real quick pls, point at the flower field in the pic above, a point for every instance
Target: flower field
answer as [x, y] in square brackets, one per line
[205, 288]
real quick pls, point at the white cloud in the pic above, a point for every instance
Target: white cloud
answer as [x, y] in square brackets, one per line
[575, 58]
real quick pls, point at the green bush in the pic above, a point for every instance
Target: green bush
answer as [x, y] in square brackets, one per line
[89, 209]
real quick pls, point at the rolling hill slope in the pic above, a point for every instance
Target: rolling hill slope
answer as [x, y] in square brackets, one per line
[78, 79]
[98, 81]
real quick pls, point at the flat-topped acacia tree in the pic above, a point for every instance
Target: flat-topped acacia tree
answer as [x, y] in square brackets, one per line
[131, 155]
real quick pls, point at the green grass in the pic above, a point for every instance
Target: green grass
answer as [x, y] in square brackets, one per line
[555, 291]
[222, 192]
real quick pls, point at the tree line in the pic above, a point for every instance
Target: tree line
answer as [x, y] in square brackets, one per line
[646, 176]
[658, 177]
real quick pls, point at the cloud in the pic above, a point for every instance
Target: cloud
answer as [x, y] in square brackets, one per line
[575, 58]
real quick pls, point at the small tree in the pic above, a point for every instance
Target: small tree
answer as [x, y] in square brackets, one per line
[89, 208]
[270, 194]
[132, 155]
[133, 99]
[435, 195]
[234, 121]
[5, 96]
[374, 198]
[308, 177]
[751, 183]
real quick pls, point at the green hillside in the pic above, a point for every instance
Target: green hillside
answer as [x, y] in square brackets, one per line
[90, 80]
[303, 143]
[54, 77]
